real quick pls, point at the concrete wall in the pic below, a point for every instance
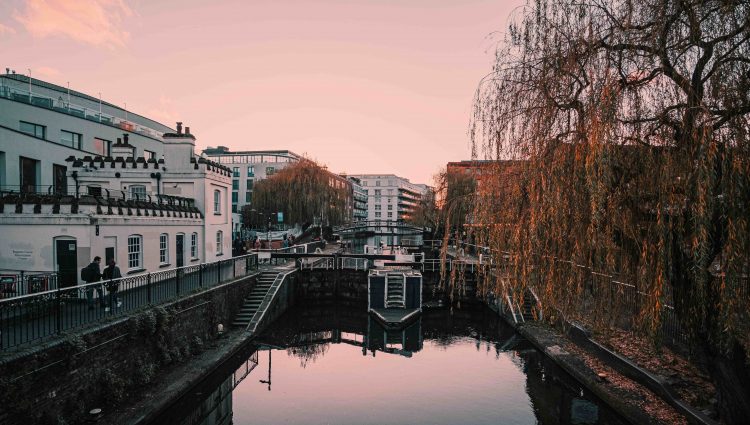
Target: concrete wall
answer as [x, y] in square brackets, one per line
[103, 366]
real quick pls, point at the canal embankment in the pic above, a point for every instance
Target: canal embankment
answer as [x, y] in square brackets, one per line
[636, 394]
[107, 364]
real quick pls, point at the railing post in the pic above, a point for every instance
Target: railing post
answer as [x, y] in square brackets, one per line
[200, 275]
[148, 287]
[177, 280]
[234, 269]
[58, 313]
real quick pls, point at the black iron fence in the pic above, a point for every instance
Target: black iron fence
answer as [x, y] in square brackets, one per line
[40, 315]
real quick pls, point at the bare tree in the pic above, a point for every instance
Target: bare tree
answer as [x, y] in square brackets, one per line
[633, 118]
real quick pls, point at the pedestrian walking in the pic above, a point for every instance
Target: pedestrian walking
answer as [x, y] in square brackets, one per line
[91, 274]
[113, 275]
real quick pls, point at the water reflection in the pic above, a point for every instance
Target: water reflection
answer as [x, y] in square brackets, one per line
[322, 364]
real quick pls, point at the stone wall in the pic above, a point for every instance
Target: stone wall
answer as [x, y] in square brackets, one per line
[351, 285]
[103, 366]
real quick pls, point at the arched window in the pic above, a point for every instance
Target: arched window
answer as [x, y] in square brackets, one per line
[219, 242]
[164, 248]
[135, 252]
[217, 202]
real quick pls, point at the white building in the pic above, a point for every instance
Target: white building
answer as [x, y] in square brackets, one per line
[247, 168]
[81, 178]
[390, 197]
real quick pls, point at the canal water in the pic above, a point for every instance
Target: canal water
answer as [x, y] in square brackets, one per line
[335, 365]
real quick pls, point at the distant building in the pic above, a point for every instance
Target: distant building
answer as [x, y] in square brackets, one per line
[359, 198]
[80, 178]
[390, 197]
[247, 168]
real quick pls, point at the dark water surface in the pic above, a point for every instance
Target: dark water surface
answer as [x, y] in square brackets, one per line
[333, 365]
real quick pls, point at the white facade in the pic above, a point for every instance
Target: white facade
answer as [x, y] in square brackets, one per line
[390, 197]
[122, 186]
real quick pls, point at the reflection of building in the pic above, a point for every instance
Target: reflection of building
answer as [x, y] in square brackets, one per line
[247, 168]
[390, 197]
[80, 177]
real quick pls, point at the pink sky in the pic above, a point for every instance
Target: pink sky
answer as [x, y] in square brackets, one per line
[363, 86]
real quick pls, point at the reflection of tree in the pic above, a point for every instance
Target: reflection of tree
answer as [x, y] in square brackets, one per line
[308, 353]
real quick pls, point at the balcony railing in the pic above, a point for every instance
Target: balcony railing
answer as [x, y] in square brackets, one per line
[62, 106]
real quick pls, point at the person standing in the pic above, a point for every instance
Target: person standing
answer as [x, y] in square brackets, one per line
[91, 274]
[113, 275]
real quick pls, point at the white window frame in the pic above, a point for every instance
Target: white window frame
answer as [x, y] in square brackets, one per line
[194, 245]
[164, 248]
[135, 252]
[217, 202]
[219, 242]
[137, 192]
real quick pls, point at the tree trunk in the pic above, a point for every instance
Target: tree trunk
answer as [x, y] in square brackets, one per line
[731, 374]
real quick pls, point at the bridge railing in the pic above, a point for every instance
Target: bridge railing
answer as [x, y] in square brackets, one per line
[37, 316]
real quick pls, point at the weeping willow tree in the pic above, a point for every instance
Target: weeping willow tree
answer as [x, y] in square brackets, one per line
[304, 191]
[448, 204]
[631, 120]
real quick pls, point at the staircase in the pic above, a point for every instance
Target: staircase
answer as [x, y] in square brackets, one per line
[253, 301]
[395, 297]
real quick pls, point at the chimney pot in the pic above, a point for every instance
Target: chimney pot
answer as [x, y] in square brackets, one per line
[179, 128]
[187, 130]
[119, 141]
[125, 138]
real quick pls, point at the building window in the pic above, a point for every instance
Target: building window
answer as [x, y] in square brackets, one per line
[249, 184]
[390, 207]
[135, 251]
[29, 170]
[270, 171]
[219, 242]
[70, 139]
[217, 202]
[377, 182]
[149, 154]
[137, 192]
[390, 214]
[364, 183]
[377, 207]
[94, 190]
[248, 197]
[235, 172]
[164, 248]
[378, 199]
[102, 147]
[235, 185]
[377, 214]
[377, 192]
[35, 130]
[235, 199]
[251, 171]
[194, 245]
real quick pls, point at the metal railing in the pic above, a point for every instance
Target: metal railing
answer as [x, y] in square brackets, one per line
[62, 105]
[37, 316]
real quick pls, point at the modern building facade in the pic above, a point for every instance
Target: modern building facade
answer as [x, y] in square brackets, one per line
[81, 177]
[359, 199]
[247, 168]
[390, 197]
